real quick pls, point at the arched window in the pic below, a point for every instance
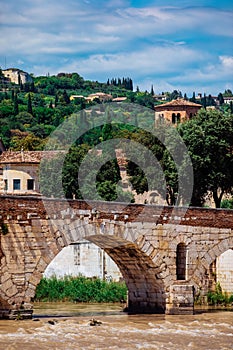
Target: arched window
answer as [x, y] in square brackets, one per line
[173, 118]
[181, 261]
[178, 117]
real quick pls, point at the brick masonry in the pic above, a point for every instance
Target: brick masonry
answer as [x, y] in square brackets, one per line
[142, 240]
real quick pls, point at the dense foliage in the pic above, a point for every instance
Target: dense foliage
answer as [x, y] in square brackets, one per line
[80, 289]
[209, 139]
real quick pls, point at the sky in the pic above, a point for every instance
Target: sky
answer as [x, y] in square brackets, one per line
[184, 45]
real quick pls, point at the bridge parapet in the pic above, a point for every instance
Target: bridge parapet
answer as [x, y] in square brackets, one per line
[28, 207]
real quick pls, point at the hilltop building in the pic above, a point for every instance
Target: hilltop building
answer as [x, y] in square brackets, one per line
[228, 100]
[176, 111]
[15, 75]
[101, 96]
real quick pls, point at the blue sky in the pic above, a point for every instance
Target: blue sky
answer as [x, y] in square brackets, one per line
[185, 45]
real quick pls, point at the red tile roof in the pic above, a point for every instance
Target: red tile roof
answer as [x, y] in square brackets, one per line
[179, 102]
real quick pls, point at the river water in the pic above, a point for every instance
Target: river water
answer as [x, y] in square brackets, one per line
[67, 326]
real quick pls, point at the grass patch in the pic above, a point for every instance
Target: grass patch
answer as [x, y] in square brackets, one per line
[80, 289]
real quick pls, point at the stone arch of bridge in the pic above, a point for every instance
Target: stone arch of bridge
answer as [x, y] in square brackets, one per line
[146, 289]
[132, 254]
[201, 272]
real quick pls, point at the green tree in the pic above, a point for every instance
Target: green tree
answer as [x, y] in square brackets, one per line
[152, 90]
[29, 106]
[193, 98]
[28, 143]
[209, 137]
[220, 99]
[65, 97]
[16, 105]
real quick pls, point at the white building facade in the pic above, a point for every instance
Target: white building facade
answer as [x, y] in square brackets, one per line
[83, 258]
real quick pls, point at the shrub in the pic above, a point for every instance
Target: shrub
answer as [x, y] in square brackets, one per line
[80, 289]
[218, 297]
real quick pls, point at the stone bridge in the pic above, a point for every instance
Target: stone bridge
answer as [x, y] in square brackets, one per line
[165, 254]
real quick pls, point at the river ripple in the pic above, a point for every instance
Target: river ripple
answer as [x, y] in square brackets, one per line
[72, 330]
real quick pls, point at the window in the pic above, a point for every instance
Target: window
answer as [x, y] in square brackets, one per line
[161, 118]
[178, 117]
[173, 118]
[16, 184]
[77, 254]
[181, 261]
[5, 185]
[30, 184]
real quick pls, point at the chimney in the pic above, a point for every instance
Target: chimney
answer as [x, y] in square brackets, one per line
[22, 155]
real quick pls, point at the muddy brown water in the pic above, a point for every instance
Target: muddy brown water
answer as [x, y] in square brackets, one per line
[70, 329]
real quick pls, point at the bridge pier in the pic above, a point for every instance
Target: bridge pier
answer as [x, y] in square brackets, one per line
[16, 314]
[181, 300]
[144, 307]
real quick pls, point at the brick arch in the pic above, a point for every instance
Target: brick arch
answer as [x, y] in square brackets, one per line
[146, 291]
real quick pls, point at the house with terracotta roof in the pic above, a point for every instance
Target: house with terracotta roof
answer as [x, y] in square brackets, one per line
[19, 171]
[176, 111]
[101, 96]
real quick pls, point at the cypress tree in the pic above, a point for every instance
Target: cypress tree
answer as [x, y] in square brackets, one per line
[29, 108]
[220, 99]
[12, 95]
[152, 91]
[193, 98]
[16, 105]
[231, 107]
[203, 101]
[19, 79]
[66, 97]
[56, 100]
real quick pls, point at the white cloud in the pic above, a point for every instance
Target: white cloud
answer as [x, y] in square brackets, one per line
[227, 61]
[98, 39]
